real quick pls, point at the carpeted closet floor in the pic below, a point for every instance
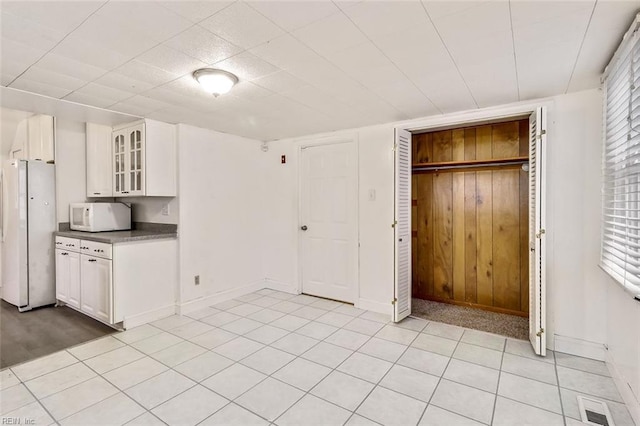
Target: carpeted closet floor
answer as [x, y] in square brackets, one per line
[491, 322]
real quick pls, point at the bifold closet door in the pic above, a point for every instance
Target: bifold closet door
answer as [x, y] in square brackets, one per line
[402, 226]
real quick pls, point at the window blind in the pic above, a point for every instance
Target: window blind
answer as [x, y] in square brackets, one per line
[621, 163]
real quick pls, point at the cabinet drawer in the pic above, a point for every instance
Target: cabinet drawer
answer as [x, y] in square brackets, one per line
[70, 244]
[92, 248]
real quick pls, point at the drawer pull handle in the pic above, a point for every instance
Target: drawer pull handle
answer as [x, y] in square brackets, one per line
[92, 260]
[65, 254]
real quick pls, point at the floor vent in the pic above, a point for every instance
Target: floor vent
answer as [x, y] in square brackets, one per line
[594, 412]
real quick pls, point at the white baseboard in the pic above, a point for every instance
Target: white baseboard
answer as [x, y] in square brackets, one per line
[280, 286]
[579, 347]
[371, 305]
[149, 316]
[633, 405]
[203, 302]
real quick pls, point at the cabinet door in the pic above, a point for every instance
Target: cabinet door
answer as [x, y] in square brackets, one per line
[87, 285]
[96, 288]
[104, 289]
[100, 177]
[62, 275]
[135, 141]
[40, 138]
[73, 288]
[119, 164]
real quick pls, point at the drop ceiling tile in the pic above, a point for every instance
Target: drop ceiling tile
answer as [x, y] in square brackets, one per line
[313, 98]
[106, 32]
[331, 34]
[85, 99]
[376, 18]
[492, 82]
[317, 71]
[285, 52]
[76, 48]
[5, 79]
[14, 68]
[552, 31]
[142, 18]
[405, 97]
[365, 63]
[529, 12]
[416, 51]
[127, 108]
[147, 102]
[28, 33]
[170, 60]
[19, 54]
[251, 91]
[51, 78]
[290, 15]
[144, 72]
[482, 48]
[242, 26]
[481, 20]
[62, 16]
[40, 88]
[195, 11]
[545, 72]
[439, 9]
[349, 91]
[169, 96]
[609, 22]
[247, 66]
[447, 91]
[203, 45]
[279, 82]
[70, 67]
[121, 82]
[104, 92]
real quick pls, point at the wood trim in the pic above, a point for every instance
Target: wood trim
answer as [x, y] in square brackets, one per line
[487, 168]
[477, 306]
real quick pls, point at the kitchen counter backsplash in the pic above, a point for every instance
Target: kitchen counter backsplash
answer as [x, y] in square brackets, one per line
[140, 231]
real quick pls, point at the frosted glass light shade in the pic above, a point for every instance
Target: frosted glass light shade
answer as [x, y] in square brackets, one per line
[216, 82]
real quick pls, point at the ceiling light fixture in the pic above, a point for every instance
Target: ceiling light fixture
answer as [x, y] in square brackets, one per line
[214, 81]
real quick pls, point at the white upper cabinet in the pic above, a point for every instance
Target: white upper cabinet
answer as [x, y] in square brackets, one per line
[144, 159]
[34, 139]
[99, 164]
[40, 141]
[132, 160]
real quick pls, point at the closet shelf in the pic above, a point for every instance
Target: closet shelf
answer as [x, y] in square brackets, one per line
[493, 162]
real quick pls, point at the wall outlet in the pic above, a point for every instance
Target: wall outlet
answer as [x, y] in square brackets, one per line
[196, 280]
[165, 210]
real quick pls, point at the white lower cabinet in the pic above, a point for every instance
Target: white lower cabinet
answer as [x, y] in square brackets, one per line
[68, 277]
[83, 280]
[96, 289]
[124, 284]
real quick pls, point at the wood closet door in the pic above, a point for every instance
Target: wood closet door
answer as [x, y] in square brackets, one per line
[470, 228]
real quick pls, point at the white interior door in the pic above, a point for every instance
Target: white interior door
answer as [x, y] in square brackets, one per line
[402, 226]
[328, 220]
[537, 272]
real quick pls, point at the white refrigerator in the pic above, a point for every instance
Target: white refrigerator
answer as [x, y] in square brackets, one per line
[28, 223]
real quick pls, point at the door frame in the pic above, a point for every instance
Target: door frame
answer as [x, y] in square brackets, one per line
[300, 146]
[477, 118]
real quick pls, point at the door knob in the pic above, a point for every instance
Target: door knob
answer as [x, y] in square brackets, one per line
[304, 227]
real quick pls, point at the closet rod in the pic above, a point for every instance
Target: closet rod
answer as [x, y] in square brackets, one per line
[468, 166]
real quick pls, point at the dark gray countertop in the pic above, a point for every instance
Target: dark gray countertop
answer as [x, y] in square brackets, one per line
[143, 231]
[114, 237]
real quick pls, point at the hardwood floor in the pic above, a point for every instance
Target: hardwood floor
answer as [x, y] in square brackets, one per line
[28, 335]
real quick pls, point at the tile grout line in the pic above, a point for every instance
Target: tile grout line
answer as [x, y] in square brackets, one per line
[495, 401]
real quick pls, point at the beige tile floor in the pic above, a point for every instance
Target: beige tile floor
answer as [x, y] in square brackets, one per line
[275, 358]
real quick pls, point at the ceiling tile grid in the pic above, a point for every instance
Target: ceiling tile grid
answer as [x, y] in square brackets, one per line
[310, 65]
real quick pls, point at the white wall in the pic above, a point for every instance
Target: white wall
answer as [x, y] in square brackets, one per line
[220, 213]
[71, 182]
[575, 284]
[149, 209]
[280, 209]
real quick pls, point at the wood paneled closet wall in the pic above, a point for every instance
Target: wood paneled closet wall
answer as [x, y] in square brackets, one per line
[470, 225]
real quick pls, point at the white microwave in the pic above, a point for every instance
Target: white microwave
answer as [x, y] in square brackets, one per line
[98, 217]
